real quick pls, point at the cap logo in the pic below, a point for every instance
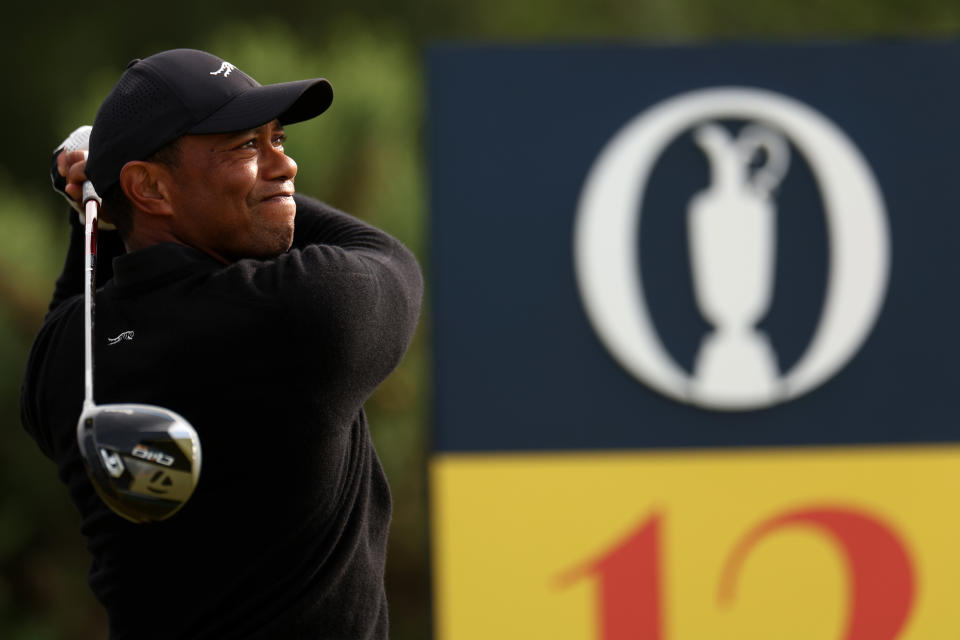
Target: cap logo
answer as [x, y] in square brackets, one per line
[225, 69]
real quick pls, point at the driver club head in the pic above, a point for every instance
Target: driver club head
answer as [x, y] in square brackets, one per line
[144, 461]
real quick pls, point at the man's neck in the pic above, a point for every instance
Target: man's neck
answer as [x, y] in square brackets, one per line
[143, 238]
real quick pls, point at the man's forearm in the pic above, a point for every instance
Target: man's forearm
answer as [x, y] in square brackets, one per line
[70, 281]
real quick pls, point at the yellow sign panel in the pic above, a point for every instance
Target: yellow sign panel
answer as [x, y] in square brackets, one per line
[793, 544]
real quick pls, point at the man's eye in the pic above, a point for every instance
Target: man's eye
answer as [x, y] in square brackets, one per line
[248, 144]
[279, 140]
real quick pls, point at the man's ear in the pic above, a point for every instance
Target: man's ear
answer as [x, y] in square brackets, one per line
[145, 184]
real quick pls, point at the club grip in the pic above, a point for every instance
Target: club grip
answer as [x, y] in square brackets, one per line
[89, 193]
[79, 140]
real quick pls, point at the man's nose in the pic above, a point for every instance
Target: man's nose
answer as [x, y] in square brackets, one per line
[277, 165]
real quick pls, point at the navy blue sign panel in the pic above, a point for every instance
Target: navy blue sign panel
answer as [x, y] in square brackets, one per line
[737, 245]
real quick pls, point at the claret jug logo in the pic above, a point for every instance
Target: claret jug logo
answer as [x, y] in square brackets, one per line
[731, 230]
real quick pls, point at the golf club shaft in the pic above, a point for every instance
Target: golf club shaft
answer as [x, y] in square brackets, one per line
[114, 438]
[91, 204]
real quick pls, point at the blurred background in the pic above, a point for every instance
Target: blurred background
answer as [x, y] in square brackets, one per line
[366, 156]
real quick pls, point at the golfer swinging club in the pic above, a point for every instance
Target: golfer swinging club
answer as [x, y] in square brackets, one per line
[265, 319]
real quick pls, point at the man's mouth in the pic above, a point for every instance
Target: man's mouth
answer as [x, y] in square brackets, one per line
[280, 198]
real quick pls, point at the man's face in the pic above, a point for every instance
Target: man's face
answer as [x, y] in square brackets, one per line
[232, 193]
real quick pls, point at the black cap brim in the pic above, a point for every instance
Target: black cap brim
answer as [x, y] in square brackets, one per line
[289, 102]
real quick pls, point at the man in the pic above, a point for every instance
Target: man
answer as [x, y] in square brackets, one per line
[266, 320]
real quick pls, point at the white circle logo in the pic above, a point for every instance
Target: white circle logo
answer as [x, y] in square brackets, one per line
[731, 228]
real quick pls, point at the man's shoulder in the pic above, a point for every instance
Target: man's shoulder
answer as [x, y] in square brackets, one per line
[52, 375]
[58, 319]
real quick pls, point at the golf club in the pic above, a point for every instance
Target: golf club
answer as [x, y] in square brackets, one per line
[143, 460]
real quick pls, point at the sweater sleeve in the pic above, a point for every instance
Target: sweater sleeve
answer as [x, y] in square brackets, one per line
[350, 293]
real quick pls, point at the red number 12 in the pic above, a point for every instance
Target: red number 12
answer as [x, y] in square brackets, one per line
[881, 580]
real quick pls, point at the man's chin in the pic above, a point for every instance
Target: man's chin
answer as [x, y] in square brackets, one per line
[268, 244]
[282, 242]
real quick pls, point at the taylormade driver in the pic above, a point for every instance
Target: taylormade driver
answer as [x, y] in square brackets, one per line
[144, 461]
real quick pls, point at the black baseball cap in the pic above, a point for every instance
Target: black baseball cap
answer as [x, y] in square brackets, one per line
[186, 91]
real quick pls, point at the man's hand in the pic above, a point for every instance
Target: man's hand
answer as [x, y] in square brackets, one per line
[71, 165]
[69, 172]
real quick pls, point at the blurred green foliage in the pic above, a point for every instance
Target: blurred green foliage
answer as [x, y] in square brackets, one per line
[366, 156]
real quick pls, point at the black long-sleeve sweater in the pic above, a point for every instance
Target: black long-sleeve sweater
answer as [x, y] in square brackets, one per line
[271, 362]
